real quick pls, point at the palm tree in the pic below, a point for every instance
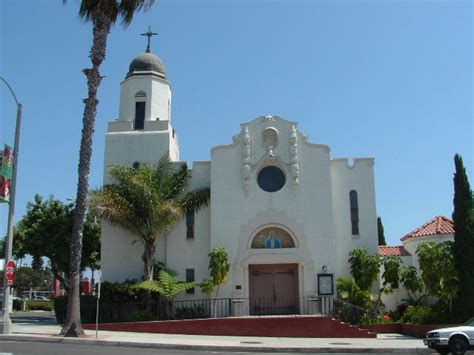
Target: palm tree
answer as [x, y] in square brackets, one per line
[148, 201]
[349, 291]
[103, 14]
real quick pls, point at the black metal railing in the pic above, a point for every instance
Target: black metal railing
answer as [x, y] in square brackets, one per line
[312, 305]
[222, 307]
[154, 311]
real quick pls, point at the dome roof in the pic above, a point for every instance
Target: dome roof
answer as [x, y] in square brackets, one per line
[147, 62]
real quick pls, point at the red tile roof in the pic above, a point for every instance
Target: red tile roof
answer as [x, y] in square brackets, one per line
[398, 250]
[438, 225]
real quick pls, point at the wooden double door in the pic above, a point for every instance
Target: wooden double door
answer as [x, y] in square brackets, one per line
[273, 289]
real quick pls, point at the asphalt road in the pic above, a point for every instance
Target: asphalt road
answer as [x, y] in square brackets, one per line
[40, 348]
[30, 347]
[46, 318]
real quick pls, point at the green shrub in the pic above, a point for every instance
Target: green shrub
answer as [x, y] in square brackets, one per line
[385, 319]
[436, 314]
[347, 313]
[418, 315]
[191, 312]
[144, 315]
[115, 292]
[17, 305]
[119, 302]
[39, 305]
[33, 305]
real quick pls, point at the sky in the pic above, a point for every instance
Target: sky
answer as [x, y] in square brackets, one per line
[386, 79]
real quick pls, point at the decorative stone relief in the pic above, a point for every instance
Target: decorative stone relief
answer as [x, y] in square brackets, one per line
[247, 159]
[268, 118]
[294, 160]
[270, 141]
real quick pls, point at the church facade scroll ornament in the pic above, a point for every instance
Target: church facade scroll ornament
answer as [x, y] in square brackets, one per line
[246, 159]
[294, 159]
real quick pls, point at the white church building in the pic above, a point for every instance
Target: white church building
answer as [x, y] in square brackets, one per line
[285, 210]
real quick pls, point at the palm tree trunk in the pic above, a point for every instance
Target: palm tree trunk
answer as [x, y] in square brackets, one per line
[101, 24]
[149, 259]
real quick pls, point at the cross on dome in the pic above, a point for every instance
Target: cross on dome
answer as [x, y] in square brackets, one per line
[149, 34]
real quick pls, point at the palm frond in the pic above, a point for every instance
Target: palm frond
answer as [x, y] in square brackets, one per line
[195, 200]
[89, 9]
[128, 8]
[167, 285]
[174, 183]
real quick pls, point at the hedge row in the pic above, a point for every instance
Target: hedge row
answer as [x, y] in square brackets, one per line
[33, 305]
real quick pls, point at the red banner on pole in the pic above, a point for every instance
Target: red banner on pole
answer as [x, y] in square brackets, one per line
[7, 162]
[6, 166]
[10, 271]
[4, 189]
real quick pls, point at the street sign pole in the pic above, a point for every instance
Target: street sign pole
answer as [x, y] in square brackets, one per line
[97, 307]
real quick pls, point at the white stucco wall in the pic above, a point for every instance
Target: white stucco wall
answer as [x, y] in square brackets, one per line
[183, 253]
[359, 177]
[129, 147]
[121, 254]
[305, 210]
[313, 207]
[158, 98]
[412, 244]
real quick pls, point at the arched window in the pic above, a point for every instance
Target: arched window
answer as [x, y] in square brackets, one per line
[354, 212]
[140, 100]
[272, 238]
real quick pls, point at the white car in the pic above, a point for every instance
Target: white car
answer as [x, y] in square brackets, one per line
[40, 298]
[456, 340]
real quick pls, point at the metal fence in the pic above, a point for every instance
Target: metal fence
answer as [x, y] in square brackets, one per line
[314, 305]
[153, 311]
[210, 308]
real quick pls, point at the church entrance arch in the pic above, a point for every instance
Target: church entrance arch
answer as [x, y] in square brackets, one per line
[273, 289]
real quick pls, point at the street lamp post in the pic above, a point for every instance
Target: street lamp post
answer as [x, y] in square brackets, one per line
[5, 321]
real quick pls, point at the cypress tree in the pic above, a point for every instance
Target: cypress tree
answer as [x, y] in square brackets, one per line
[380, 231]
[463, 219]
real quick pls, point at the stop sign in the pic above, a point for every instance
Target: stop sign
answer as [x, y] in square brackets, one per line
[10, 271]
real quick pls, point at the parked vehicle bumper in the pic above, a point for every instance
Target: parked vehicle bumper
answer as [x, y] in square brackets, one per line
[436, 342]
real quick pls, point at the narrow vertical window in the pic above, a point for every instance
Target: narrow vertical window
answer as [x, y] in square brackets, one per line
[190, 225]
[140, 99]
[139, 115]
[354, 212]
[190, 278]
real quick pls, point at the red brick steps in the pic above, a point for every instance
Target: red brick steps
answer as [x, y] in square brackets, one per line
[301, 326]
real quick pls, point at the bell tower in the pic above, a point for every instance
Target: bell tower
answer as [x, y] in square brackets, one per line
[143, 131]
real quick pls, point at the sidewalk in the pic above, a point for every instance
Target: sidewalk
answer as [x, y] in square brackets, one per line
[384, 343]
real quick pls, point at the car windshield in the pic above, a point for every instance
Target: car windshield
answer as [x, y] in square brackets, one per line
[470, 322]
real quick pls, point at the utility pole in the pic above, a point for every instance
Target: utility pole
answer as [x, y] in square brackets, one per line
[5, 321]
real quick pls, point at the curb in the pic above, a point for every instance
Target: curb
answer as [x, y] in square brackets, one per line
[222, 348]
